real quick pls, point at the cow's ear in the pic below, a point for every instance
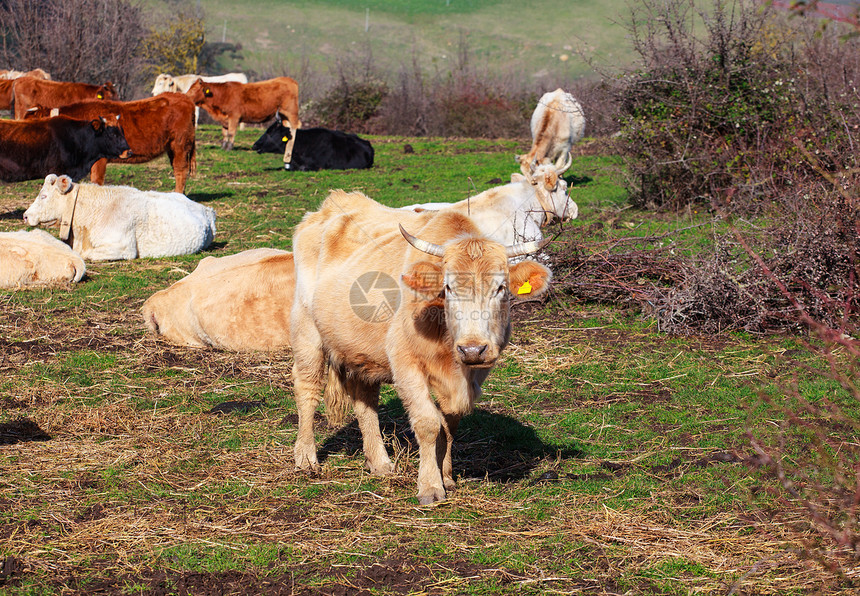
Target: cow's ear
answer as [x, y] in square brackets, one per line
[50, 178]
[64, 183]
[529, 279]
[425, 279]
[98, 124]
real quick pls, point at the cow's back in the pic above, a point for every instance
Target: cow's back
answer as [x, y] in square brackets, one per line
[239, 302]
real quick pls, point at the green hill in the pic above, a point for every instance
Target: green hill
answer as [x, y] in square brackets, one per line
[502, 37]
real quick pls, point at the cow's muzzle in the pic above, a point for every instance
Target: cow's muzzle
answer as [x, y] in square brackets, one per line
[126, 154]
[473, 354]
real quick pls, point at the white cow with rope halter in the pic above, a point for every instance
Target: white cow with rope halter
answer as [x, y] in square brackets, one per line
[517, 211]
[104, 223]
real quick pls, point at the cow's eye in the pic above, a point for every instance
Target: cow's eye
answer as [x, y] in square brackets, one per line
[448, 289]
[502, 289]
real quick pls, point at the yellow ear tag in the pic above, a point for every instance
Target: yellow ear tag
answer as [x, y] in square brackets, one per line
[526, 288]
[99, 96]
[285, 139]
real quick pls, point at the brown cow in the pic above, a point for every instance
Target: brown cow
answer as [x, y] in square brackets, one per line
[152, 126]
[232, 103]
[31, 92]
[6, 94]
[430, 314]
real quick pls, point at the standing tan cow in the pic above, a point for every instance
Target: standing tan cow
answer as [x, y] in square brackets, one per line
[429, 313]
[29, 92]
[231, 103]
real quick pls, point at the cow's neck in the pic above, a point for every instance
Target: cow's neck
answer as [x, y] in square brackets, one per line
[69, 215]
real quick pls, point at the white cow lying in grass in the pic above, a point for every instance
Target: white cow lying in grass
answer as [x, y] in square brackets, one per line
[238, 302]
[516, 212]
[105, 223]
[36, 258]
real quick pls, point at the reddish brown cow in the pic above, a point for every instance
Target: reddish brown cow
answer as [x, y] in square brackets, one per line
[29, 92]
[232, 103]
[152, 126]
[6, 94]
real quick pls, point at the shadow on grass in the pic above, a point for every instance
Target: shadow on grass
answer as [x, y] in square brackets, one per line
[205, 197]
[16, 214]
[574, 180]
[487, 444]
[21, 431]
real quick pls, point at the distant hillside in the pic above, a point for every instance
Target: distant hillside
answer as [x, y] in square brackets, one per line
[503, 37]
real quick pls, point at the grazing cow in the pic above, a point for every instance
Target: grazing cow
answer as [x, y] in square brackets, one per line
[165, 83]
[106, 223]
[152, 126]
[36, 258]
[516, 212]
[29, 92]
[317, 148]
[371, 301]
[33, 149]
[239, 302]
[557, 123]
[231, 103]
[37, 73]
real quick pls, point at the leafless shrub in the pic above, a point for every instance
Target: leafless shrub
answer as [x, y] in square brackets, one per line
[715, 118]
[91, 41]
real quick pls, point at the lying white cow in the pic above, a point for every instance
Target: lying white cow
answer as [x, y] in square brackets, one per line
[516, 212]
[239, 302]
[165, 83]
[105, 223]
[36, 258]
[557, 123]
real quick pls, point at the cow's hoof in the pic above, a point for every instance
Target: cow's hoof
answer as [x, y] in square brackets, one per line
[383, 469]
[306, 461]
[432, 496]
[449, 484]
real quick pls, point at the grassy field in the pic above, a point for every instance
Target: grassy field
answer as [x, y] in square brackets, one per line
[503, 37]
[605, 457]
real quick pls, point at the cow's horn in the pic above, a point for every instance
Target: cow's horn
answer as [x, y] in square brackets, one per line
[561, 168]
[525, 248]
[422, 245]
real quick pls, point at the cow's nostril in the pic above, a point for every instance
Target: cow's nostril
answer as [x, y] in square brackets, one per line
[472, 354]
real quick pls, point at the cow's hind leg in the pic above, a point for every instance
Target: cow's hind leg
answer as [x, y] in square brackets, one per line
[366, 405]
[309, 362]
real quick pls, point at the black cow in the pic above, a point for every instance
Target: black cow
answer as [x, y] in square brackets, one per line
[317, 148]
[32, 149]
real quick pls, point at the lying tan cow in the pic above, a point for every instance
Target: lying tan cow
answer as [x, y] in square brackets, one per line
[37, 259]
[238, 302]
[232, 103]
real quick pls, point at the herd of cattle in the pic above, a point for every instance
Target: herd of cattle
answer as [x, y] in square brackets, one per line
[447, 289]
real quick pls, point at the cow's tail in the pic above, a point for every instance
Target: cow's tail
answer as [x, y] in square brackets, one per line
[336, 399]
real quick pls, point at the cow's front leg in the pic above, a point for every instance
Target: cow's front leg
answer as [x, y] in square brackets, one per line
[232, 126]
[308, 379]
[366, 405]
[427, 424]
[452, 421]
